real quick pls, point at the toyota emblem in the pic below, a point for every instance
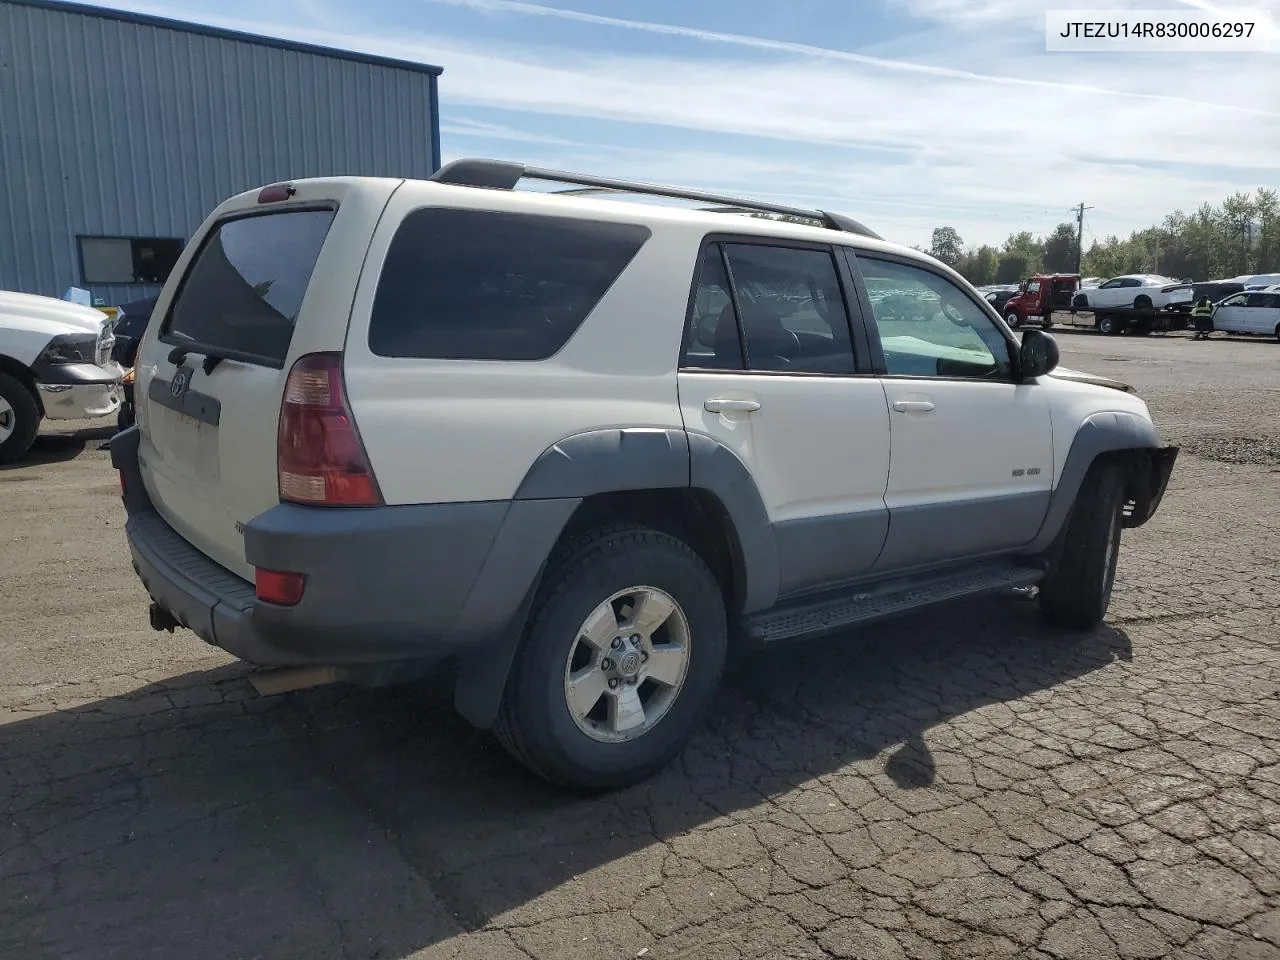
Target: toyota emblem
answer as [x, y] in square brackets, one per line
[179, 384]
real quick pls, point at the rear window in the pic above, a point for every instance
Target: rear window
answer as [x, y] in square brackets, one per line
[478, 285]
[241, 296]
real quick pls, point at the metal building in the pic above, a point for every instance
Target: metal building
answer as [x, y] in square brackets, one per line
[119, 133]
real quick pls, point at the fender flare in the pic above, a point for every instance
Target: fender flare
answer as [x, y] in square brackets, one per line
[1098, 434]
[588, 464]
[657, 458]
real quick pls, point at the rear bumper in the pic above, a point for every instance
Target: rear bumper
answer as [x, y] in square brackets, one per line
[383, 583]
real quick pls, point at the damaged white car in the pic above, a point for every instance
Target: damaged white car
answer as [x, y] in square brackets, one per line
[55, 363]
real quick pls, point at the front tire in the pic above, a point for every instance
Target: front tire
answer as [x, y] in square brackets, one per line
[622, 657]
[19, 418]
[1078, 591]
[1013, 319]
[1107, 325]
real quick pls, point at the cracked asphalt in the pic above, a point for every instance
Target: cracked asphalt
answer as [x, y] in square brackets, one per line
[961, 783]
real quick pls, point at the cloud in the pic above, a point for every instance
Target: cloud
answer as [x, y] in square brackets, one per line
[808, 50]
[904, 149]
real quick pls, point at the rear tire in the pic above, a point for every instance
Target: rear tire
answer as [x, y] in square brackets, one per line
[543, 726]
[1078, 591]
[1142, 302]
[1107, 325]
[19, 418]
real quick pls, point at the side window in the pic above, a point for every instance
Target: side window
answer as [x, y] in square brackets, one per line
[714, 342]
[478, 285]
[1133, 282]
[1111, 285]
[793, 314]
[929, 328]
[1258, 300]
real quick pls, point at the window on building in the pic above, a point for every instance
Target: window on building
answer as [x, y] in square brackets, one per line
[128, 259]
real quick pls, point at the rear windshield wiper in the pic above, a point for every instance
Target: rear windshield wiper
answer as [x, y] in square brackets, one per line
[178, 356]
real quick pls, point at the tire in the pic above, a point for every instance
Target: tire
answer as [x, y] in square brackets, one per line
[1107, 325]
[1078, 591]
[124, 419]
[19, 418]
[1013, 320]
[1142, 302]
[1079, 301]
[583, 749]
[1278, 332]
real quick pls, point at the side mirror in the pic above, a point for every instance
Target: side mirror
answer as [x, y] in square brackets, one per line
[1038, 354]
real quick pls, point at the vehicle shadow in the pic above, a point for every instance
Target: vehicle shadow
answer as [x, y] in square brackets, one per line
[191, 818]
[50, 447]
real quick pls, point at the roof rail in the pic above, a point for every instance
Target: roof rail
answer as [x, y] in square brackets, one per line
[503, 175]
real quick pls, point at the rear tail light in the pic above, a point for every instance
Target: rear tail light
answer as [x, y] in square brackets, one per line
[275, 586]
[320, 458]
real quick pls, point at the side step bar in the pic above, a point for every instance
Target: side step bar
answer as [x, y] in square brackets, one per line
[832, 613]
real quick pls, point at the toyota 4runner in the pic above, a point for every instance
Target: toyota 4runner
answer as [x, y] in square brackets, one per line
[578, 449]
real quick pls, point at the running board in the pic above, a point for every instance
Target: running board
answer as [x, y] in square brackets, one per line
[833, 613]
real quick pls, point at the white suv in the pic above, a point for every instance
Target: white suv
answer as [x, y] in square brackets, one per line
[580, 449]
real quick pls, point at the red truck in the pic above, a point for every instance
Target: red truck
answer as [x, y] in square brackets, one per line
[1039, 296]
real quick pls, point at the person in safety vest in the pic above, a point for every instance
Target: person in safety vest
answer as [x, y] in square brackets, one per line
[1202, 318]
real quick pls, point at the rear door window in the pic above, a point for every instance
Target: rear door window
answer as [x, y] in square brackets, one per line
[241, 296]
[479, 285]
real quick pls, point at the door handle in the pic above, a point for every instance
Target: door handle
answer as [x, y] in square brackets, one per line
[724, 405]
[913, 406]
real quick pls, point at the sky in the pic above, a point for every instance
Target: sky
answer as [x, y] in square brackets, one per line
[906, 114]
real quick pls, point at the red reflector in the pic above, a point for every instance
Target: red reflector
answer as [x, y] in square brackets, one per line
[320, 457]
[273, 586]
[275, 194]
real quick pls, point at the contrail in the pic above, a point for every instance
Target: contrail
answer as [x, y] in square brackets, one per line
[826, 53]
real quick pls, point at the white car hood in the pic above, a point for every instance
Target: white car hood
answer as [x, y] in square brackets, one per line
[1077, 376]
[25, 311]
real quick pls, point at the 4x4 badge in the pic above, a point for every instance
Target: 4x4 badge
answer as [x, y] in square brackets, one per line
[181, 380]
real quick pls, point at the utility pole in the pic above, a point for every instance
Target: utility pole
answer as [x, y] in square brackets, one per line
[1080, 234]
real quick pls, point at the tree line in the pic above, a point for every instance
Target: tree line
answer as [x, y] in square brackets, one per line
[1242, 236]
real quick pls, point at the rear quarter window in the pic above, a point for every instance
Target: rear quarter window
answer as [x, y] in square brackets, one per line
[479, 285]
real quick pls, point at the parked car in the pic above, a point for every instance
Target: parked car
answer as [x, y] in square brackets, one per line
[452, 431]
[55, 363]
[131, 322]
[1259, 280]
[1139, 291]
[998, 294]
[1253, 311]
[1215, 290]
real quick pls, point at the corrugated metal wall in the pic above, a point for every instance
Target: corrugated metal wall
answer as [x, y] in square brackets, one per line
[117, 128]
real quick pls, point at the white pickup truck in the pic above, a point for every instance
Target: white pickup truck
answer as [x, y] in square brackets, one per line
[55, 362]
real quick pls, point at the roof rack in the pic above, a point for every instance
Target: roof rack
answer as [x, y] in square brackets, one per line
[503, 175]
